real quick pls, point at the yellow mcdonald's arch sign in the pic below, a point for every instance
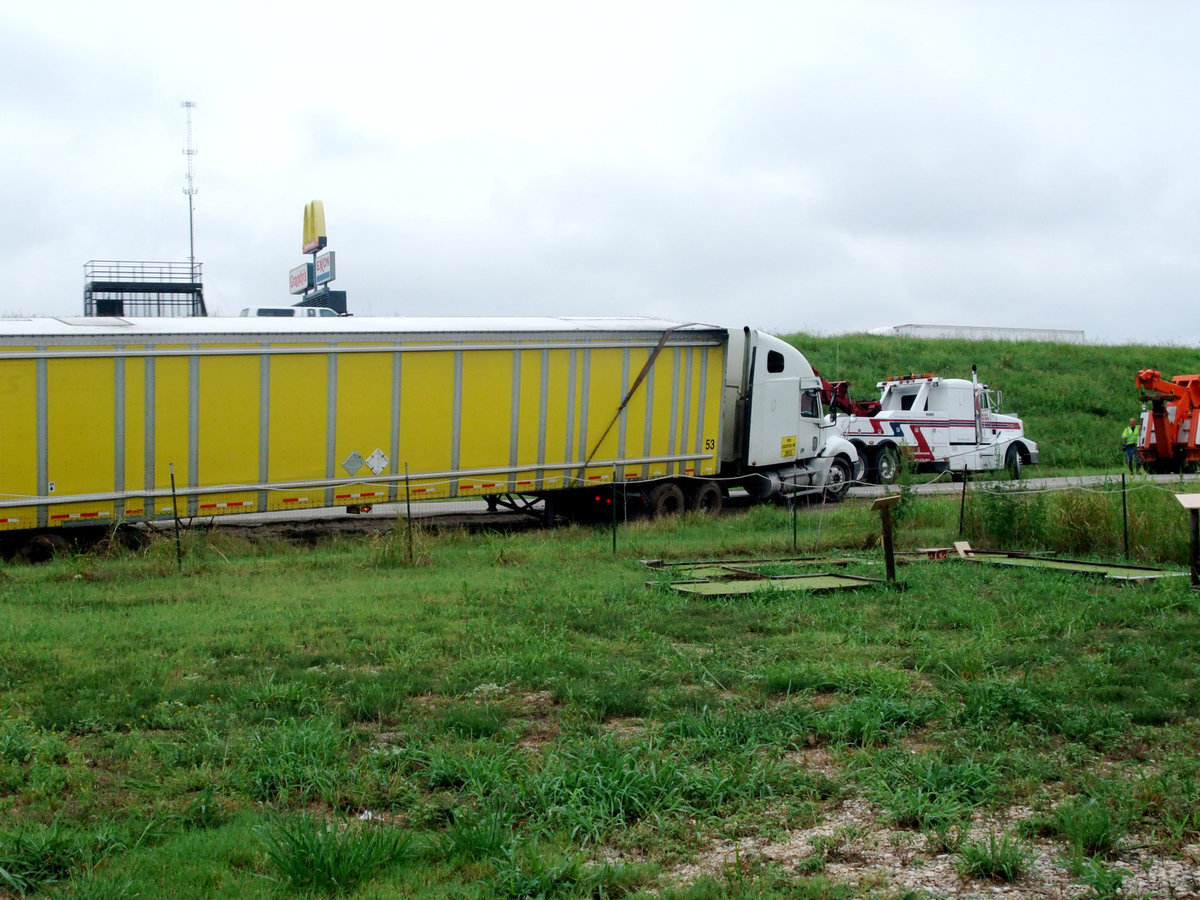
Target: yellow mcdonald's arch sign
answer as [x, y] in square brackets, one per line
[314, 227]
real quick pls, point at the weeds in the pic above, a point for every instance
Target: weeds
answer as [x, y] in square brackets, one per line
[1105, 881]
[929, 792]
[17, 741]
[293, 760]
[997, 858]
[310, 853]
[870, 721]
[475, 720]
[404, 545]
[474, 835]
[1088, 826]
[528, 871]
[34, 858]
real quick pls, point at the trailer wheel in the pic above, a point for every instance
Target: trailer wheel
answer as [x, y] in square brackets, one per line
[887, 465]
[42, 547]
[706, 498]
[666, 500]
[1012, 462]
[838, 480]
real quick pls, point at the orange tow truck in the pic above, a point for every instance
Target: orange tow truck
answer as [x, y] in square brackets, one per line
[1167, 442]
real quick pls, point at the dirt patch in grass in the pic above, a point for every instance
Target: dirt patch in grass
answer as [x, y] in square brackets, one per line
[854, 844]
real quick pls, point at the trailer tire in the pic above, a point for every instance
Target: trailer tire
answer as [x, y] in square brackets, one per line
[887, 465]
[665, 499]
[1012, 462]
[43, 546]
[706, 498]
[838, 480]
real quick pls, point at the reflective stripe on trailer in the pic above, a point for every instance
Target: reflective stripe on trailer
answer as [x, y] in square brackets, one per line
[226, 505]
[83, 515]
[356, 496]
[295, 499]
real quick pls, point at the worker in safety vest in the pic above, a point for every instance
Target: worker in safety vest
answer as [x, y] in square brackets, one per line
[1129, 437]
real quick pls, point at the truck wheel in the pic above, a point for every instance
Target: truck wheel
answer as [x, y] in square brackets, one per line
[868, 469]
[665, 500]
[706, 498]
[1012, 462]
[838, 480]
[887, 465]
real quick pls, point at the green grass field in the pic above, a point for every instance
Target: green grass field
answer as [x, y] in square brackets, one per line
[524, 716]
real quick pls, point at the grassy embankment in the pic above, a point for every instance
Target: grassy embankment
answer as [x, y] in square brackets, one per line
[1074, 399]
[520, 716]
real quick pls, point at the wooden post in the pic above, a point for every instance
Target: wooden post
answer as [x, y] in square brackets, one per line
[884, 505]
[1195, 547]
[1191, 502]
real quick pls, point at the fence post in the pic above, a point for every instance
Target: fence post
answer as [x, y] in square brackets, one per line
[884, 505]
[614, 513]
[1191, 502]
[962, 508]
[1195, 547]
[795, 513]
[408, 512]
[1124, 516]
[175, 511]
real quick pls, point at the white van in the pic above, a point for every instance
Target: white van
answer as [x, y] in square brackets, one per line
[288, 311]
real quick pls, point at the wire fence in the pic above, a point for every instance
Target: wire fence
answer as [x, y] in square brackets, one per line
[1136, 518]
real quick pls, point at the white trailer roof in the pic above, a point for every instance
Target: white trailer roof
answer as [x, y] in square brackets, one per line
[141, 329]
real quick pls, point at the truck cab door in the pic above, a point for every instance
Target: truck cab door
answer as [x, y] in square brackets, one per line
[785, 421]
[990, 439]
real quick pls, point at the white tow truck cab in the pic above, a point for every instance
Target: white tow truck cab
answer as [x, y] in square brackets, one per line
[940, 425]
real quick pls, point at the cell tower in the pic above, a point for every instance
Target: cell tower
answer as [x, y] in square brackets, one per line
[190, 190]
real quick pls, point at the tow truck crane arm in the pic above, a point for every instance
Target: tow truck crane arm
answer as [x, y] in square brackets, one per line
[1172, 418]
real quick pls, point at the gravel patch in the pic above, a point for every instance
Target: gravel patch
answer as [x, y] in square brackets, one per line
[861, 849]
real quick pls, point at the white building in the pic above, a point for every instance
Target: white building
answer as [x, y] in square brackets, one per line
[982, 333]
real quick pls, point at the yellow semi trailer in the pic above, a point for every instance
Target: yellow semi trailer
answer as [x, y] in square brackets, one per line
[132, 420]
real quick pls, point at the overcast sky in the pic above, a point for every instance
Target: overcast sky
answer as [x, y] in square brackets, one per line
[829, 167]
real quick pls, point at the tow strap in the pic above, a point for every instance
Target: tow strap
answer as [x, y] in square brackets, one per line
[637, 382]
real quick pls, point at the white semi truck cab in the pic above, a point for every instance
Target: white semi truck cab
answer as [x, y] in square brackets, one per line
[939, 425]
[773, 430]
